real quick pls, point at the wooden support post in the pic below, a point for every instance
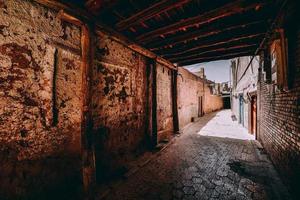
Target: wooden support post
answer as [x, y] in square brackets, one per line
[154, 103]
[174, 101]
[149, 85]
[88, 157]
[87, 148]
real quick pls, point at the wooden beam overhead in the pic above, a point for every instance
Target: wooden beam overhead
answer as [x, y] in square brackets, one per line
[219, 51]
[199, 44]
[230, 9]
[215, 58]
[148, 13]
[202, 33]
[240, 41]
[100, 28]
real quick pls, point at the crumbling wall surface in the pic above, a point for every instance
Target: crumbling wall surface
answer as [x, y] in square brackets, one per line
[279, 119]
[40, 104]
[190, 89]
[118, 101]
[211, 102]
[164, 102]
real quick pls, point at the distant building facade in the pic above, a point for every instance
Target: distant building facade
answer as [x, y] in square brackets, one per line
[244, 91]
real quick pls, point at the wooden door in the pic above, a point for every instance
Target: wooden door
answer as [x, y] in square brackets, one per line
[253, 115]
[200, 108]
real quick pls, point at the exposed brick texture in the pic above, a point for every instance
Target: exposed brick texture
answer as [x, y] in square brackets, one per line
[211, 102]
[119, 100]
[40, 103]
[190, 88]
[279, 121]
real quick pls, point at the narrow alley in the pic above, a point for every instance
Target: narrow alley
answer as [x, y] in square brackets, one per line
[197, 166]
[149, 99]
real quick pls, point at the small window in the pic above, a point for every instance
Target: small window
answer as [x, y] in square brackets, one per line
[275, 61]
[279, 61]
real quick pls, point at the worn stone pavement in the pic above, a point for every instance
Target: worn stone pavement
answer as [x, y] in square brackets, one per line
[204, 167]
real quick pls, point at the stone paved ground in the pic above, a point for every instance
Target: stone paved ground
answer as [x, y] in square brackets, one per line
[204, 167]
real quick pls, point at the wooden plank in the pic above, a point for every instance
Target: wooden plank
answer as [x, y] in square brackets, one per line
[203, 33]
[214, 58]
[174, 102]
[88, 167]
[155, 9]
[154, 104]
[217, 51]
[185, 49]
[149, 104]
[230, 9]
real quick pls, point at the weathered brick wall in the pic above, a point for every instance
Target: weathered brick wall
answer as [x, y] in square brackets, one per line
[279, 121]
[190, 88]
[211, 102]
[118, 100]
[164, 102]
[40, 103]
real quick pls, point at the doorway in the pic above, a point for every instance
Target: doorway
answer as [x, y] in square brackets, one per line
[241, 109]
[253, 115]
[200, 107]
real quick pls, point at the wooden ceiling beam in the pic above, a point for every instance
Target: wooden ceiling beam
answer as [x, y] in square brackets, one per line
[96, 6]
[148, 13]
[203, 33]
[218, 51]
[215, 58]
[246, 40]
[86, 17]
[238, 6]
[200, 44]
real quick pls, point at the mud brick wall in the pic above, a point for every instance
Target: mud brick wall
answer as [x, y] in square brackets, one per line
[118, 102]
[279, 119]
[190, 88]
[211, 102]
[164, 102]
[40, 103]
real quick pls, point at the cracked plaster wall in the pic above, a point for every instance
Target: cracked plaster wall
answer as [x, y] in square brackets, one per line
[39, 115]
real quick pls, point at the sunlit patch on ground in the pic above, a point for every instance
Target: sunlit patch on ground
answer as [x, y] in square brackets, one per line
[223, 126]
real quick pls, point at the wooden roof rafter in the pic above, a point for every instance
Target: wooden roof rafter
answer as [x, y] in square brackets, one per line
[245, 39]
[214, 58]
[197, 34]
[154, 10]
[238, 6]
[221, 51]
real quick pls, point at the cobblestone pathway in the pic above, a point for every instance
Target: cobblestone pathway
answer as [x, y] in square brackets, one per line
[204, 167]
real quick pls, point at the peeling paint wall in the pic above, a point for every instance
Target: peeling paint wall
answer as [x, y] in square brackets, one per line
[118, 101]
[40, 103]
[164, 102]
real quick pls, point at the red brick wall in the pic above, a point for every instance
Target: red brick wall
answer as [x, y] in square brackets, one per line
[190, 88]
[279, 119]
[211, 102]
[40, 102]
